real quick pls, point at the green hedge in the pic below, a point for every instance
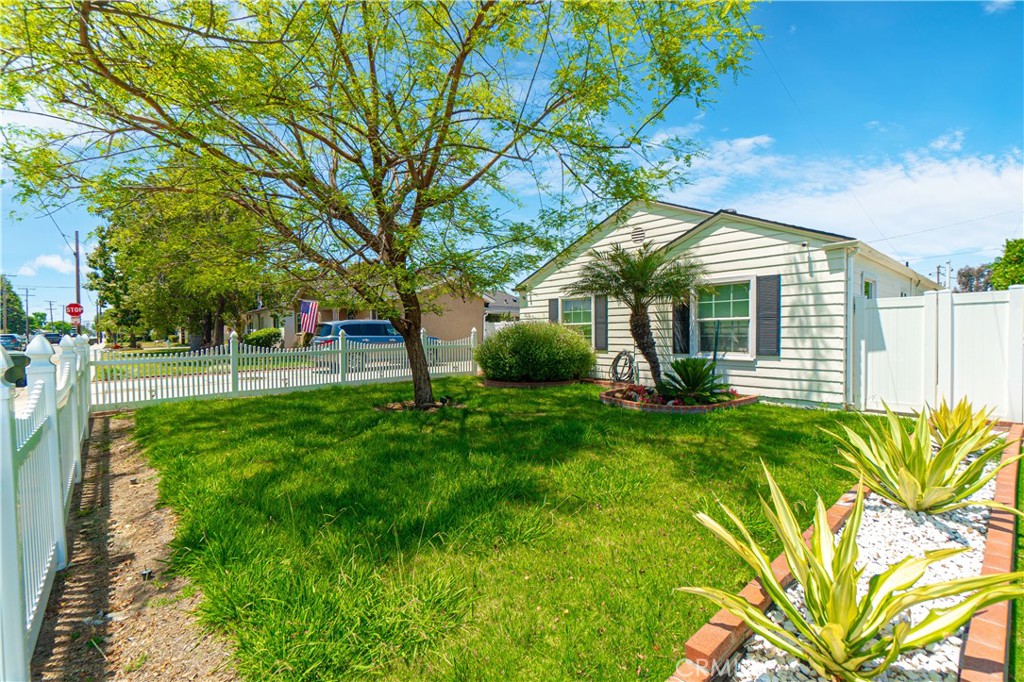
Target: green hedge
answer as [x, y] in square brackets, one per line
[264, 338]
[535, 351]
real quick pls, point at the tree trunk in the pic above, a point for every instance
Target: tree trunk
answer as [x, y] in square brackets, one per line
[218, 323]
[640, 328]
[409, 327]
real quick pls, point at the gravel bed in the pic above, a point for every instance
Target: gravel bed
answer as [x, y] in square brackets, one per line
[887, 534]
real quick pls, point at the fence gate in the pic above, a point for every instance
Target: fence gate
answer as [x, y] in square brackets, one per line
[912, 351]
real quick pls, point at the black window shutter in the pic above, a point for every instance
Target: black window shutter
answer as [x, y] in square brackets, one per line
[769, 315]
[680, 329]
[600, 323]
[552, 310]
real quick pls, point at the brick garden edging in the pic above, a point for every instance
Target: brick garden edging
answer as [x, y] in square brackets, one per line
[712, 646]
[986, 649]
[612, 398]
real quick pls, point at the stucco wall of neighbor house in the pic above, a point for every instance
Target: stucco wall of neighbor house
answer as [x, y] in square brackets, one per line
[458, 320]
[659, 224]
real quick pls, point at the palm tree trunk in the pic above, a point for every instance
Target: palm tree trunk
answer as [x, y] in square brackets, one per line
[640, 328]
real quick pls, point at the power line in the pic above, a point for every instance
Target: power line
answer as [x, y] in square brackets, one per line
[942, 227]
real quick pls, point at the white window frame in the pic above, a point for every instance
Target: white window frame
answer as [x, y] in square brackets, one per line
[751, 281]
[561, 314]
[873, 283]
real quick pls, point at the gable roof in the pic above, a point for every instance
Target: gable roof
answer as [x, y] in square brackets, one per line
[594, 234]
[720, 216]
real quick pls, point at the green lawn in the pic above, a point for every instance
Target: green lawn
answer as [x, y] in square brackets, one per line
[533, 535]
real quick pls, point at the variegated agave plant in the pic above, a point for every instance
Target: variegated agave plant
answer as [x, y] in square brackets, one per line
[901, 464]
[961, 421]
[844, 636]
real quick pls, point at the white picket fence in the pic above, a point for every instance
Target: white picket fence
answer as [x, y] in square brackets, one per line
[40, 461]
[124, 379]
[912, 351]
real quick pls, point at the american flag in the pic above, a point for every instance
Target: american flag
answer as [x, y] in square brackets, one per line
[309, 311]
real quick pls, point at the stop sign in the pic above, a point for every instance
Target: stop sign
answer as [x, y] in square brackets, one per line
[74, 309]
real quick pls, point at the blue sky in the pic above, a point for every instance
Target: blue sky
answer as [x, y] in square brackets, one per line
[901, 124]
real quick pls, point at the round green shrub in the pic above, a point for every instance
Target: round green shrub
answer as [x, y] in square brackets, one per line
[263, 338]
[535, 351]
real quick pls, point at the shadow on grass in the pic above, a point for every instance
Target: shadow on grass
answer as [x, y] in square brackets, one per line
[332, 537]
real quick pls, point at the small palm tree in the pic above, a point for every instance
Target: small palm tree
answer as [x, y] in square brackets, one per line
[638, 278]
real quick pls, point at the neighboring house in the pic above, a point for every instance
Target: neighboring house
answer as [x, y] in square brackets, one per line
[457, 321]
[783, 298]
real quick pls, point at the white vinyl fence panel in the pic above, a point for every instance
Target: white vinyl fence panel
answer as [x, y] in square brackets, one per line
[40, 461]
[125, 380]
[943, 345]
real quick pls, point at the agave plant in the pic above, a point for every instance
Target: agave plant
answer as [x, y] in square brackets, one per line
[959, 421]
[902, 466]
[693, 381]
[844, 635]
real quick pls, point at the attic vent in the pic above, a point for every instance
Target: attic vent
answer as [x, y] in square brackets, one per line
[638, 235]
[728, 210]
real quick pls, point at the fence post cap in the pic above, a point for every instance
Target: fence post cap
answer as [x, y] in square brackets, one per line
[82, 340]
[39, 347]
[5, 361]
[234, 334]
[67, 343]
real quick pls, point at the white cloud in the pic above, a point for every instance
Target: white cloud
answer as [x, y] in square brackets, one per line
[950, 142]
[662, 135]
[952, 203]
[996, 6]
[47, 261]
[882, 126]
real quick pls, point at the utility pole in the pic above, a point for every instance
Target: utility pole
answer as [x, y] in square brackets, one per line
[28, 330]
[3, 301]
[949, 275]
[51, 311]
[78, 281]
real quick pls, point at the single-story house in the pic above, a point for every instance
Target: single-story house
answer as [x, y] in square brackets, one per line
[457, 321]
[782, 298]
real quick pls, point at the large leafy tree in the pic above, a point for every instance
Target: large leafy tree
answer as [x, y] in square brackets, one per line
[386, 142]
[1008, 269]
[14, 309]
[638, 278]
[974, 278]
[177, 260]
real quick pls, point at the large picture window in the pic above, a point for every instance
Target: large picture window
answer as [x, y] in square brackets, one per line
[728, 305]
[577, 314]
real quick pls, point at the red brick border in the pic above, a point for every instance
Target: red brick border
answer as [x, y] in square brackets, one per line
[612, 398]
[986, 649]
[712, 645]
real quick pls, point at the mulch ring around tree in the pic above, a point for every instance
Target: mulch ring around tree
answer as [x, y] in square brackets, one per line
[408, 405]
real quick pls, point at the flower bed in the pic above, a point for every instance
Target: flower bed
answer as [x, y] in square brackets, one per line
[888, 533]
[645, 400]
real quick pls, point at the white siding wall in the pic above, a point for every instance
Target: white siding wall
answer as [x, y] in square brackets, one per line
[889, 282]
[810, 367]
[813, 292]
[661, 225]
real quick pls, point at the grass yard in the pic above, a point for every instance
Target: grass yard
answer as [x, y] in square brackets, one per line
[532, 535]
